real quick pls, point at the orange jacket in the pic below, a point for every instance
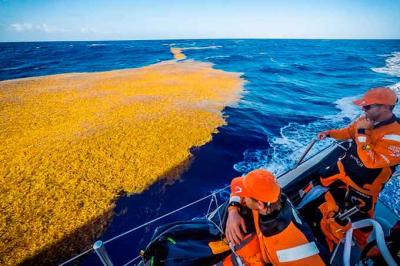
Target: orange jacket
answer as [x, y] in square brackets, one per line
[378, 147]
[369, 163]
[282, 240]
[248, 251]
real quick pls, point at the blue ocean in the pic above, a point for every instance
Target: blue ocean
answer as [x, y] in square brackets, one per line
[294, 89]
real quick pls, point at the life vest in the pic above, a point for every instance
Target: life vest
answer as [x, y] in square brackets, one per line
[283, 239]
[333, 231]
[363, 184]
[247, 252]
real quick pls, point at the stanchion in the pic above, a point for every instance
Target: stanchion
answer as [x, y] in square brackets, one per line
[308, 148]
[102, 253]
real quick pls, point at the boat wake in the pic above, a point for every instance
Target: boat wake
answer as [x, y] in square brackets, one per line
[287, 148]
[392, 66]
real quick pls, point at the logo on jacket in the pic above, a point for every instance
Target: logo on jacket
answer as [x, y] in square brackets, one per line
[394, 151]
[358, 162]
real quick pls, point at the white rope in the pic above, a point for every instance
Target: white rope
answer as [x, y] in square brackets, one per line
[163, 216]
[77, 256]
[129, 262]
[219, 214]
[209, 206]
[216, 225]
[213, 195]
[219, 227]
[145, 224]
[230, 245]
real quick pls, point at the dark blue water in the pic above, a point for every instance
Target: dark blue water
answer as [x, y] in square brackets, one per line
[294, 89]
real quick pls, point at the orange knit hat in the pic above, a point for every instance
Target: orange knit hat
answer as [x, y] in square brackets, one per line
[258, 184]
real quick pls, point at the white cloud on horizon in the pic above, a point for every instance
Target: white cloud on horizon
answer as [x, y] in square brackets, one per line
[29, 27]
[21, 27]
[87, 30]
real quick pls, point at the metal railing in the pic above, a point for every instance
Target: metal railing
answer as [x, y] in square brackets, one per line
[99, 246]
[377, 233]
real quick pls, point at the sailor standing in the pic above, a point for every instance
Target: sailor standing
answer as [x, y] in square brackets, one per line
[361, 173]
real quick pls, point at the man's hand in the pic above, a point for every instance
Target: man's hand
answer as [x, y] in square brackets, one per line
[364, 123]
[234, 225]
[322, 135]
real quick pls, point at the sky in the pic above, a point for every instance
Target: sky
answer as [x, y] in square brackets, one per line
[61, 20]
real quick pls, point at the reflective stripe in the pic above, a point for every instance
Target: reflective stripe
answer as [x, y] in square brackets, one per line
[244, 242]
[296, 217]
[362, 138]
[392, 137]
[234, 199]
[236, 260]
[297, 253]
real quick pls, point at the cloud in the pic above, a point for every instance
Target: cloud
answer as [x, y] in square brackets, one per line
[21, 27]
[29, 27]
[87, 30]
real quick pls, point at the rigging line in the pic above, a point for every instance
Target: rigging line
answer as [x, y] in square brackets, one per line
[129, 262]
[219, 214]
[209, 206]
[231, 246]
[165, 215]
[77, 256]
[217, 226]
[145, 224]
[161, 217]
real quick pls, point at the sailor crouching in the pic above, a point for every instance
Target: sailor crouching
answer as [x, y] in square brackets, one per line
[281, 237]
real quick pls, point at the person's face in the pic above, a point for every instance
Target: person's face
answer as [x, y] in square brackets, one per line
[374, 111]
[251, 203]
[258, 205]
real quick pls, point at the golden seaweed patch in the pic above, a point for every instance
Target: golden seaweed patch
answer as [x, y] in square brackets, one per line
[177, 52]
[71, 143]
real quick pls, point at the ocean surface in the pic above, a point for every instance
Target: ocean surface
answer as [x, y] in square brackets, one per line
[294, 89]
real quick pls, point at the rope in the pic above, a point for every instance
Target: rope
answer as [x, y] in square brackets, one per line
[213, 195]
[77, 256]
[219, 227]
[209, 206]
[129, 262]
[231, 246]
[163, 216]
[145, 224]
[219, 214]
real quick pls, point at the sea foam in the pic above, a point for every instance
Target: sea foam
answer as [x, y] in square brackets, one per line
[392, 66]
[287, 148]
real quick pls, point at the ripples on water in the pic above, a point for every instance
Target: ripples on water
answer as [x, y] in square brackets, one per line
[295, 88]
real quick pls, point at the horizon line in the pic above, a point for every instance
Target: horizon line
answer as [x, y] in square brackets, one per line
[180, 39]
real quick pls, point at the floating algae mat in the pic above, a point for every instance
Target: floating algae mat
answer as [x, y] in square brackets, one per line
[71, 143]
